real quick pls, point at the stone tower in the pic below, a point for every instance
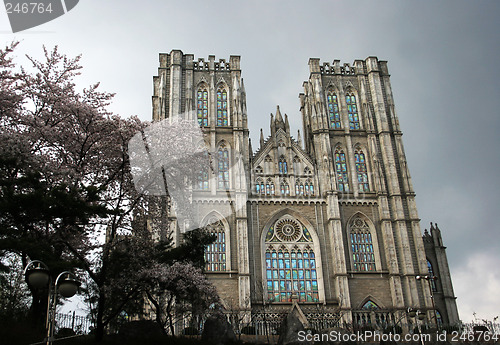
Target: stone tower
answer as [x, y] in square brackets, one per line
[330, 222]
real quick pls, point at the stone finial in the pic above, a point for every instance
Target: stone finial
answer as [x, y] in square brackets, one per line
[287, 125]
[299, 138]
[250, 150]
[261, 139]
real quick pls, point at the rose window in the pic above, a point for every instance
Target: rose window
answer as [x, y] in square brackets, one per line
[288, 230]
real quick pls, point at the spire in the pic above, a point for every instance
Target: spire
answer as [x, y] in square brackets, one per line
[287, 125]
[273, 126]
[299, 138]
[250, 150]
[279, 119]
[242, 86]
[261, 139]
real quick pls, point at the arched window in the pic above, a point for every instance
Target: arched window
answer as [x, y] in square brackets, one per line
[290, 262]
[359, 157]
[299, 188]
[352, 111]
[269, 187]
[309, 188]
[215, 253]
[363, 255]
[203, 180]
[431, 273]
[223, 167]
[284, 188]
[222, 118]
[283, 168]
[202, 106]
[333, 110]
[341, 170]
[439, 318]
[260, 188]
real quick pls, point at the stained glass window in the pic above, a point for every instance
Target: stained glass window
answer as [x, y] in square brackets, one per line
[223, 160]
[439, 318]
[215, 253]
[341, 170]
[352, 111]
[370, 305]
[260, 187]
[431, 273]
[284, 188]
[359, 157]
[222, 119]
[203, 180]
[283, 168]
[363, 256]
[309, 188]
[202, 107]
[333, 110]
[291, 267]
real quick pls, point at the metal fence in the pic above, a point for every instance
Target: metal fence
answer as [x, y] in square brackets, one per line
[79, 324]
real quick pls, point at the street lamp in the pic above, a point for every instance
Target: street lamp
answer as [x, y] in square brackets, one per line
[412, 312]
[37, 275]
[430, 279]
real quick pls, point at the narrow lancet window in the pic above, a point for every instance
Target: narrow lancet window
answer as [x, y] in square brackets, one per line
[222, 118]
[352, 111]
[202, 107]
[333, 110]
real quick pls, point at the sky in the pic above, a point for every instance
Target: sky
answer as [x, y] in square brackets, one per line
[442, 59]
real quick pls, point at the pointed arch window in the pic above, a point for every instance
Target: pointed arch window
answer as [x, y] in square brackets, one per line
[439, 318]
[352, 111]
[361, 170]
[431, 273]
[202, 106]
[341, 170]
[333, 110]
[222, 118]
[363, 255]
[203, 180]
[283, 168]
[290, 263]
[223, 167]
[260, 187]
[309, 188]
[284, 188]
[269, 187]
[215, 253]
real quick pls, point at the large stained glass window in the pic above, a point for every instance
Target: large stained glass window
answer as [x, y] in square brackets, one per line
[223, 167]
[352, 111]
[431, 273]
[333, 110]
[222, 119]
[291, 264]
[215, 253]
[361, 171]
[202, 107]
[363, 255]
[341, 170]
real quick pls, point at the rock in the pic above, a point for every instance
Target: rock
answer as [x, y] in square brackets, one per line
[217, 331]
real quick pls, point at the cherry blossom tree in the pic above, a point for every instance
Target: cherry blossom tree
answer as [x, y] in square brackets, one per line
[68, 196]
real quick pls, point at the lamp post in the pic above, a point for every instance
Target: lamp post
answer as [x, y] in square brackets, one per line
[37, 275]
[430, 279]
[420, 315]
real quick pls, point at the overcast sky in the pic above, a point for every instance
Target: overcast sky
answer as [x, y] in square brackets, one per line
[442, 57]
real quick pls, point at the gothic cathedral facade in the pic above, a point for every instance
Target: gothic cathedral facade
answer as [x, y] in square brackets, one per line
[329, 220]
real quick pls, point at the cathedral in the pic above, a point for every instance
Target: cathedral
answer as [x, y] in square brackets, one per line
[326, 220]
